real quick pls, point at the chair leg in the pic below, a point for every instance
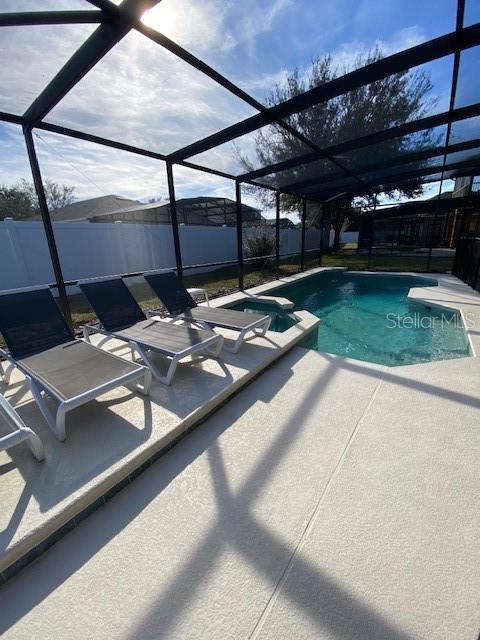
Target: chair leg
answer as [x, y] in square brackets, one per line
[262, 330]
[6, 373]
[56, 423]
[147, 383]
[157, 374]
[216, 347]
[238, 342]
[21, 433]
[35, 444]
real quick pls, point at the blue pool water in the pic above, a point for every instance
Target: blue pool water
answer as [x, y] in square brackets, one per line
[369, 317]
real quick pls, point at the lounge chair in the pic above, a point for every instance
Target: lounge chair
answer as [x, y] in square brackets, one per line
[20, 431]
[42, 346]
[121, 317]
[180, 304]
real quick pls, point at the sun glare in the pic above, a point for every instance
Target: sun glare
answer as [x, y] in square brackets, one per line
[163, 18]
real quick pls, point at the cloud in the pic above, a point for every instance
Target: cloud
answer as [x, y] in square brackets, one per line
[215, 26]
[14, 163]
[31, 56]
[347, 54]
[95, 170]
[143, 95]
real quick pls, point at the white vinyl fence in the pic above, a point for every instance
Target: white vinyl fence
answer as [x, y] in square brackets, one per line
[88, 250]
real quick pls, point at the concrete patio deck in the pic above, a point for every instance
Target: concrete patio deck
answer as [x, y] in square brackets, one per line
[332, 499]
[111, 439]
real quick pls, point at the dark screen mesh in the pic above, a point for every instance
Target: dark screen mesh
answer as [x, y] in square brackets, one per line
[113, 303]
[31, 322]
[171, 291]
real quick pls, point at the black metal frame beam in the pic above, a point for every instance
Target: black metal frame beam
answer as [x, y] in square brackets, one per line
[86, 57]
[460, 168]
[277, 234]
[10, 117]
[373, 138]
[304, 223]
[204, 68]
[47, 223]
[453, 93]
[396, 63]
[238, 200]
[398, 161]
[174, 220]
[29, 18]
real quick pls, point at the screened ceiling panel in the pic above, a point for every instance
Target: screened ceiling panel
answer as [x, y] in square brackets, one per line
[252, 151]
[258, 44]
[378, 176]
[468, 86]
[457, 173]
[96, 170]
[464, 130]
[9, 6]
[333, 187]
[143, 95]
[472, 12]
[358, 113]
[462, 156]
[393, 150]
[13, 154]
[31, 56]
[319, 169]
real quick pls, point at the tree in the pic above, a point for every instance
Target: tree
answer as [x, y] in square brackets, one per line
[15, 202]
[384, 103]
[20, 200]
[58, 195]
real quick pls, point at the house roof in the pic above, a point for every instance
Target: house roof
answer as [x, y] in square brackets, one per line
[91, 207]
[111, 204]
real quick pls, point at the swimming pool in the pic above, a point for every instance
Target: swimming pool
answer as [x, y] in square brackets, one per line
[369, 317]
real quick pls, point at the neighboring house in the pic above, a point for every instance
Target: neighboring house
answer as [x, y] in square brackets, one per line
[285, 223]
[203, 210]
[85, 209]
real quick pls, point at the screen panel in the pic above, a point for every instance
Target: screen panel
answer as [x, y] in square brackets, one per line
[468, 90]
[207, 216]
[9, 6]
[143, 95]
[472, 13]
[264, 46]
[318, 170]
[258, 235]
[268, 145]
[32, 55]
[111, 217]
[395, 149]
[465, 130]
[24, 256]
[391, 101]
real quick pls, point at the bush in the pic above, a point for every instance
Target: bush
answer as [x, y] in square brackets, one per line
[259, 246]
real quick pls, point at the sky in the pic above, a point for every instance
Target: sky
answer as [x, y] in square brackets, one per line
[143, 95]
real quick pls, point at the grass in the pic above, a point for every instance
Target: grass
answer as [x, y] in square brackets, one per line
[225, 280]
